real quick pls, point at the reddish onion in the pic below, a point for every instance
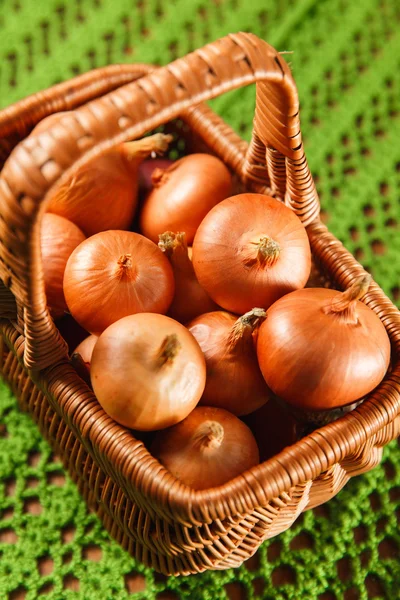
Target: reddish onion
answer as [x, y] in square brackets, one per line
[102, 195]
[85, 350]
[147, 371]
[249, 251]
[58, 239]
[190, 299]
[114, 274]
[320, 348]
[146, 170]
[234, 380]
[207, 449]
[183, 195]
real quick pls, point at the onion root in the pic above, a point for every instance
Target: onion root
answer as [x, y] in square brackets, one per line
[209, 435]
[268, 252]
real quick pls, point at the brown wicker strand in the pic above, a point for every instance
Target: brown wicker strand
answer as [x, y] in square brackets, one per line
[8, 306]
[276, 164]
[254, 172]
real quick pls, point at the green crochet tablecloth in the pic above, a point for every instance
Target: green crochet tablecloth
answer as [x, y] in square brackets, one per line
[346, 61]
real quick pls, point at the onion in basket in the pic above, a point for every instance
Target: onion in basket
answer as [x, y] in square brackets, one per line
[85, 350]
[147, 371]
[58, 239]
[190, 299]
[320, 348]
[183, 195]
[249, 251]
[114, 274]
[234, 380]
[103, 193]
[146, 170]
[207, 449]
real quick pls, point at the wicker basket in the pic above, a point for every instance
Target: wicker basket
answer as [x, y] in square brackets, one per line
[160, 521]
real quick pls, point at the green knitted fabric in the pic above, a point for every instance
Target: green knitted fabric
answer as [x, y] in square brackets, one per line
[346, 61]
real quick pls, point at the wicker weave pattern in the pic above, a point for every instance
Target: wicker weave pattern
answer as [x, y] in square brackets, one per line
[153, 515]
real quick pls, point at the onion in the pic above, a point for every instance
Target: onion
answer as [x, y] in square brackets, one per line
[190, 299]
[103, 193]
[320, 348]
[249, 251]
[114, 274]
[234, 380]
[82, 356]
[183, 195]
[85, 350]
[210, 447]
[147, 371]
[146, 170]
[58, 239]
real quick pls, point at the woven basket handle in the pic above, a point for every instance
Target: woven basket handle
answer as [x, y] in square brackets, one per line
[275, 158]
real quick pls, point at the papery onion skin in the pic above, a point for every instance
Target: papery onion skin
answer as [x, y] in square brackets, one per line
[316, 359]
[234, 380]
[114, 274]
[103, 194]
[249, 251]
[114, 196]
[190, 300]
[209, 448]
[183, 195]
[85, 350]
[58, 239]
[147, 371]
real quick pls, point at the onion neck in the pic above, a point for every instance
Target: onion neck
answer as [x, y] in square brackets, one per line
[209, 436]
[138, 150]
[125, 268]
[267, 252]
[160, 176]
[345, 304]
[175, 248]
[168, 350]
[244, 327]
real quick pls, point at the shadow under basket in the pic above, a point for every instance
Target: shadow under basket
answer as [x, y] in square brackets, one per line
[158, 520]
